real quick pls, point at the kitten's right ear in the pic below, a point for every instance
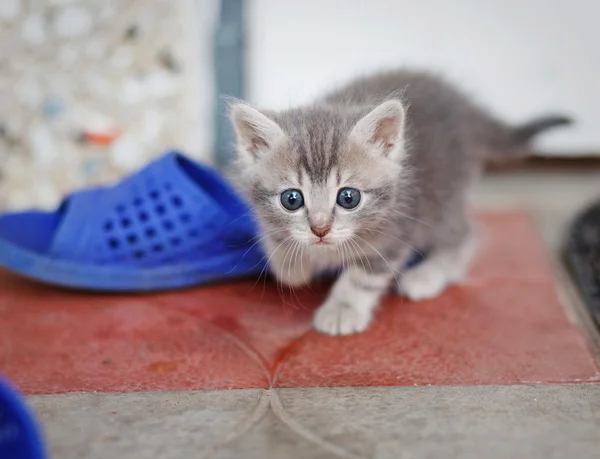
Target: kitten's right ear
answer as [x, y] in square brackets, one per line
[255, 132]
[383, 129]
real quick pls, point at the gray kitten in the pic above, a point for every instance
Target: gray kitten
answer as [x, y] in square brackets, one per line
[365, 178]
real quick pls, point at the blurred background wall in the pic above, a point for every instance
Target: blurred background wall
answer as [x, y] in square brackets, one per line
[518, 57]
[92, 89]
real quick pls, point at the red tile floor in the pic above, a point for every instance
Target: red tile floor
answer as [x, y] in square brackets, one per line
[505, 325]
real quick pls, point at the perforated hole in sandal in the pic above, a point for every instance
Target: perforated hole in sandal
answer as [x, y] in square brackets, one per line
[156, 222]
[177, 201]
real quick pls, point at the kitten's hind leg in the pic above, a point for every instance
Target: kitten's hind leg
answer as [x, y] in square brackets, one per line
[444, 265]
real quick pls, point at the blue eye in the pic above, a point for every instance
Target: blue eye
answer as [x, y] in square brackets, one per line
[348, 198]
[292, 199]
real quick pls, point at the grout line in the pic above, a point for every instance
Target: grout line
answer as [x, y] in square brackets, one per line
[247, 349]
[255, 417]
[284, 356]
[299, 429]
[242, 345]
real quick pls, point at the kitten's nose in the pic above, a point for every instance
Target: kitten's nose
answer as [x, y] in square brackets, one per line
[320, 231]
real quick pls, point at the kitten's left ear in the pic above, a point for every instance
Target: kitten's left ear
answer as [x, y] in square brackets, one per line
[255, 132]
[383, 129]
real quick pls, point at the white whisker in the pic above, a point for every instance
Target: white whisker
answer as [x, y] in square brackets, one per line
[356, 244]
[302, 264]
[399, 212]
[399, 240]
[285, 255]
[295, 257]
[265, 268]
[386, 261]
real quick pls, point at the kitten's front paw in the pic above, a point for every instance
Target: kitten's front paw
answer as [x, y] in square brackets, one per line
[341, 318]
[422, 283]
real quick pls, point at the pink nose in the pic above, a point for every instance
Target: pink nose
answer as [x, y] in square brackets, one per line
[320, 231]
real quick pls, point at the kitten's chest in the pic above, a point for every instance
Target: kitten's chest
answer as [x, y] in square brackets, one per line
[323, 260]
[331, 259]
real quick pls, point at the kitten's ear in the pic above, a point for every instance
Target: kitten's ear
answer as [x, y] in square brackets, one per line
[383, 129]
[255, 132]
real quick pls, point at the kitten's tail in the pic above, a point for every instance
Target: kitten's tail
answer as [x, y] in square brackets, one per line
[526, 132]
[516, 140]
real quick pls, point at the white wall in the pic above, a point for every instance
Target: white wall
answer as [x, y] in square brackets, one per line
[519, 57]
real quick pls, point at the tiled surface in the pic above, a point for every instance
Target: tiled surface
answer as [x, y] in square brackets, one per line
[492, 422]
[504, 326]
[146, 425]
[552, 198]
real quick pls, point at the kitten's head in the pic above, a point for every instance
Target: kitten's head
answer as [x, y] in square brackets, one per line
[320, 175]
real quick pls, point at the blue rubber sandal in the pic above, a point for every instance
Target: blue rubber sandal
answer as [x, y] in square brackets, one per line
[20, 435]
[173, 224]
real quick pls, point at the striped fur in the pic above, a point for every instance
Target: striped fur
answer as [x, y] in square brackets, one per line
[412, 145]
